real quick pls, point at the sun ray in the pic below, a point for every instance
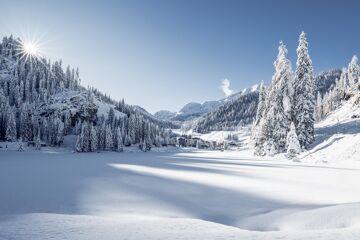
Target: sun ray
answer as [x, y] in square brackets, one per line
[29, 49]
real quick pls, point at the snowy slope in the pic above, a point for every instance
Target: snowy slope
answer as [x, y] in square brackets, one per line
[337, 137]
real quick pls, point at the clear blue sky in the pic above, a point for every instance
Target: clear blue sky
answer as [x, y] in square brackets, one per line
[163, 54]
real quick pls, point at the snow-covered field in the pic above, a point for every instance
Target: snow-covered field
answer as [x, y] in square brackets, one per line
[188, 194]
[169, 195]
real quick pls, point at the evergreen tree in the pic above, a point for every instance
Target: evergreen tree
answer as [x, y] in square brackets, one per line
[257, 136]
[26, 123]
[304, 94]
[78, 146]
[279, 104]
[261, 104]
[119, 141]
[109, 144]
[60, 132]
[148, 143]
[292, 142]
[127, 141]
[94, 139]
[85, 137]
[38, 141]
[11, 133]
[319, 108]
[353, 72]
[132, 129]
[111, 116]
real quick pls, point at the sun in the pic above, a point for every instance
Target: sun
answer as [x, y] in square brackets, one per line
[29, 50]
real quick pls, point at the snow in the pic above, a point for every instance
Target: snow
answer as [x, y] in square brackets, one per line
[172, 193]
[253, 88]
[104, 109]
[337, 138]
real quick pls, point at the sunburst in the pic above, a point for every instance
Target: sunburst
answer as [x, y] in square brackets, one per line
[29, 50]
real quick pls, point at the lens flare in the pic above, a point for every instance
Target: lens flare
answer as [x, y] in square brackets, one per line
[29, 50]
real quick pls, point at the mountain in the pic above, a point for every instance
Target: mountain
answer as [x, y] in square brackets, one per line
[232, 114]
[240, 108]
[164, 115]
[43, 101]
[161, 122]
[326, 80]
[194, 110]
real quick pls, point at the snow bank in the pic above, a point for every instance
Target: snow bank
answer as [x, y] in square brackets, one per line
[85, 227]
[337, 138]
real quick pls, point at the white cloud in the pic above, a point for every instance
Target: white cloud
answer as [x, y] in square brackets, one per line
[225, 87]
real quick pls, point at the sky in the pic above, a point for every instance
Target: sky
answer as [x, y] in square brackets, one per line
[162, 54]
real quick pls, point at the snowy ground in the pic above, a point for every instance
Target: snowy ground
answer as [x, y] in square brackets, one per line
[194, 195]
[57, 194]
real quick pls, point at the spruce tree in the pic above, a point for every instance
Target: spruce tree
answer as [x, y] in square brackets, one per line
[304, 94]
[11, 133]
[353, 72]
[60, 132]
[109, 144]
[319, 108]
[78, 147]
[93, 139]
[119, 140]
[279, 105]
[292, 142]
[38, 141]
[85, 137]
[257, 136]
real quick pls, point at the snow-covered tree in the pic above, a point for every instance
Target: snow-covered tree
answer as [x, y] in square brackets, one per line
[109, 144]
[132, 129]
[38, 141]
[85, 137]
[261, 104]
[78, 146]
[59, 132]
[11, 133]
[93, 139]
[257, 136]
[353, 72]
[119, 140]
[304, 94]
[278, 104]
[292, 142]
[319, 108]
[26, 123]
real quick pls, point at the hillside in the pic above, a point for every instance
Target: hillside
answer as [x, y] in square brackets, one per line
[241, 109]
[231, 115]
[41, 101]
[193, 110]
[337, 136]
